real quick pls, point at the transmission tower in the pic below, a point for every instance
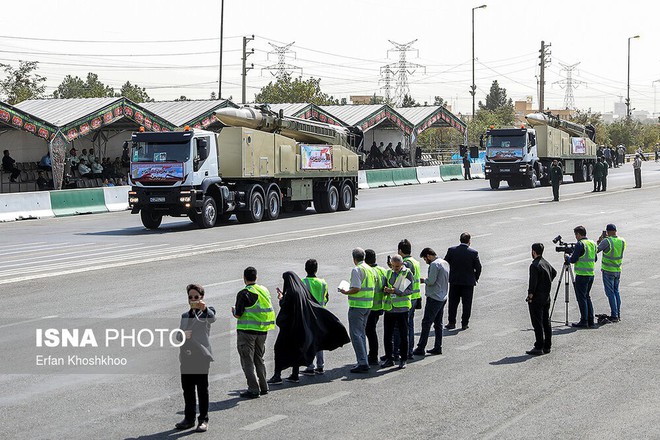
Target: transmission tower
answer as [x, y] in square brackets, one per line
[386, 74]
[403, 69]
[282, 67]
[569, 84]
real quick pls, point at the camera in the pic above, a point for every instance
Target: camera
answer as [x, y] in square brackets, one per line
[566, 248]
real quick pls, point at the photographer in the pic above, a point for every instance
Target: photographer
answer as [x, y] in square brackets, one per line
[541, 274]
[584, 259]
[612, 247]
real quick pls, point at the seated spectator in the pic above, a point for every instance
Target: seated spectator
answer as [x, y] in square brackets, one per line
[107, 183]
[45, 163]
[399, 150]
[83, 155]
[91, 157]
[97, 169]
[73, 158]
[42, 183]
[84, 169]
[122, 182]
[9, 165]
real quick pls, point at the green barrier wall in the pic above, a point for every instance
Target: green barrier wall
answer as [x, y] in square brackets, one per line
[377, 178]
[451, 172]
[77, 201]
[405, 176]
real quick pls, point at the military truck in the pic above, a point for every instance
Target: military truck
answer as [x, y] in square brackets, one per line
[522, 156]
[253, 163]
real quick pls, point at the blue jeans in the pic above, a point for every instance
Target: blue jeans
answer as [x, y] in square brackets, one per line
[319, 361]
[432, 315]
[611, 284]
[582, 295]
[357, 324]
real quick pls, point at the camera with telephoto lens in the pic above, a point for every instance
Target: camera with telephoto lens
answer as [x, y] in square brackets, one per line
[566, 248]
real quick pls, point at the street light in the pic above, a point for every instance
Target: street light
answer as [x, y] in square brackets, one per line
[628, 84]
[222, 20]
[473, 88]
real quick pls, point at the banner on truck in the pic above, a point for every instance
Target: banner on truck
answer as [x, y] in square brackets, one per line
[316, 157]
[163, 172]
[579, 146]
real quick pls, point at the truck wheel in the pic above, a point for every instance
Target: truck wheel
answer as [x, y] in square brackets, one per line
[256, 211]
[494, 183]
[581, 173]
[209, 215]
[346, 197]
[150, 219]
[330, 200]
[318, 202]
[273, 206]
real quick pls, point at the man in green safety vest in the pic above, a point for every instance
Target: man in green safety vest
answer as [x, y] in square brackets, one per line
[612, 247]
[584, 260]
[255, 316]
[360, 299]
[319, 290]
[404, 250]
[377, 307]
[397, 304]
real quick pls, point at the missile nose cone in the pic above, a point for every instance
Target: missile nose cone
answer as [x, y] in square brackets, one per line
[536, 119]
[238, 117]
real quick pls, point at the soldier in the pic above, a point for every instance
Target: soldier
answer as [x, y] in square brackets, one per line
[598, 174]
[556, 176]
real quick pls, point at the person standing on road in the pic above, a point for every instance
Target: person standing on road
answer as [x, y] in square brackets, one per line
[377, 307]
[603, 179]
[556, 176]
[657, 152]
[318, 288]
[598, 174]
[637, 169]
[195, 356]
[397, 305]
[405, 251]
[360, 299]
[612, 247]
[607, 155]
[437, 288]
[255, 315]
[584, 258]
[466, 167]
[541, 274]
[464, 273]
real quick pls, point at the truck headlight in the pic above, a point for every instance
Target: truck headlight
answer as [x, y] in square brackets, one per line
[184, 199]
[133, 200]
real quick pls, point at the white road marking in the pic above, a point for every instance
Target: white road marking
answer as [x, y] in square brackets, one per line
[223, 282]
[384, 377]
[481, 235]
[330, 398]
[28, 320]
[264, 422]
[517, 262]
[636, 283]
[23, 246]
[469, 346]
[655, 277]
[554, 223]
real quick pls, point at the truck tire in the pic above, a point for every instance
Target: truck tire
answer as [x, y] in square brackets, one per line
[329, 200]
[209, 216]
[150, 219]
[345, 197]
[273, 205]
[256, 209]
[494, 183]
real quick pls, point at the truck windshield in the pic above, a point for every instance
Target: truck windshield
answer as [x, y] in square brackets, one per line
[161, 152]
[507, 141]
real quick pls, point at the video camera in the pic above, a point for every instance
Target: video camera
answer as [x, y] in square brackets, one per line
[566, 248]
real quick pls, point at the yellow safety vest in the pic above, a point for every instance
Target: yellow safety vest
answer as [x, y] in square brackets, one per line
[260, 316]
[585, 264]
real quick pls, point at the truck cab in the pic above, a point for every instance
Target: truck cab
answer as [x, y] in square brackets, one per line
[511, 155]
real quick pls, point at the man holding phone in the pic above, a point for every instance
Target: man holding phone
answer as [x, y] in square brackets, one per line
[195, 356]
[612, 247]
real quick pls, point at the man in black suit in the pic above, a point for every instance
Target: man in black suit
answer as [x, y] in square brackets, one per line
[464, 272]
[541, 274]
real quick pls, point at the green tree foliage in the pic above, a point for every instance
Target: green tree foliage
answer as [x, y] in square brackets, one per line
[439, 101]
[408, 101]
[289, 90]
[212, 96]
[496, 98]
[75, 87]
[376, 100]
[596, 119]
[647, 136]
[623, 132]
[134, 92]
[182, 98]
[432, 139]
[21, 83]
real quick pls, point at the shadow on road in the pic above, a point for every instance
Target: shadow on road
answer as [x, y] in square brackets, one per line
[511, 360]
[170, 433]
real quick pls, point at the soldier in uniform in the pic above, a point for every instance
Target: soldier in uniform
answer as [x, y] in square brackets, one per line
[556, 176]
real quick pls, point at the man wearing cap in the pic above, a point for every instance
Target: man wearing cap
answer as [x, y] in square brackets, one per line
[612, 247]
[637, 167]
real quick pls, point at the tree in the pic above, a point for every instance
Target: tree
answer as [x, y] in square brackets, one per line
[622, 132]
[74, 87]
[288, 90]
[496, 98]
[213, 96]
[182, 98]
[376, 100]
[438, 101]
[596, 119]
[408, 101]
[134, 92]
[502, 117]
[22, 83]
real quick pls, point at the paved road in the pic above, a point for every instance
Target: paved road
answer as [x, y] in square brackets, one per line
[595, 383]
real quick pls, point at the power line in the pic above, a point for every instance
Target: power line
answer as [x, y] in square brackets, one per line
[403, 69]
[57, 40]
[569, 84]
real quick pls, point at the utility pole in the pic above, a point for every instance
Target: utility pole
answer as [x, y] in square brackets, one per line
[473, 87]
[628, 83]
[222, 21]
[545, 62]
[245, 68]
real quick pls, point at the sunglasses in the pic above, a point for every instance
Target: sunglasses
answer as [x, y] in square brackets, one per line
[194, 297]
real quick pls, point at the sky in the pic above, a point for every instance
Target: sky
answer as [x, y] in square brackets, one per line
[172, 48]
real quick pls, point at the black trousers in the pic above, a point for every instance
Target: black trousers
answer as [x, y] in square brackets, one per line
[372, 334]
[189, 382]
[638, 177]
[400, 321]
[468, 176]
[457, 294]
[539, 313]
[555, 191]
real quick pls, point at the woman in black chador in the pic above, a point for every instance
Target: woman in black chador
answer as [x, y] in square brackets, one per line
[305, 329]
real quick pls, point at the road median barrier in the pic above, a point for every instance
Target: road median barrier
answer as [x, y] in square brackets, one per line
[77, 201]
[477, 171]
[378, 178]
[362, 180]
[451, 172]
[25, 205]
[404, 176]
[428, 174]
[116, 198]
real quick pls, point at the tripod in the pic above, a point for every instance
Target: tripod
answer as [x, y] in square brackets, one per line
[566, 274]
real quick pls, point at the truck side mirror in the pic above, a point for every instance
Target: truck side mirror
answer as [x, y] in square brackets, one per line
[481, 140]
[202, 149]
